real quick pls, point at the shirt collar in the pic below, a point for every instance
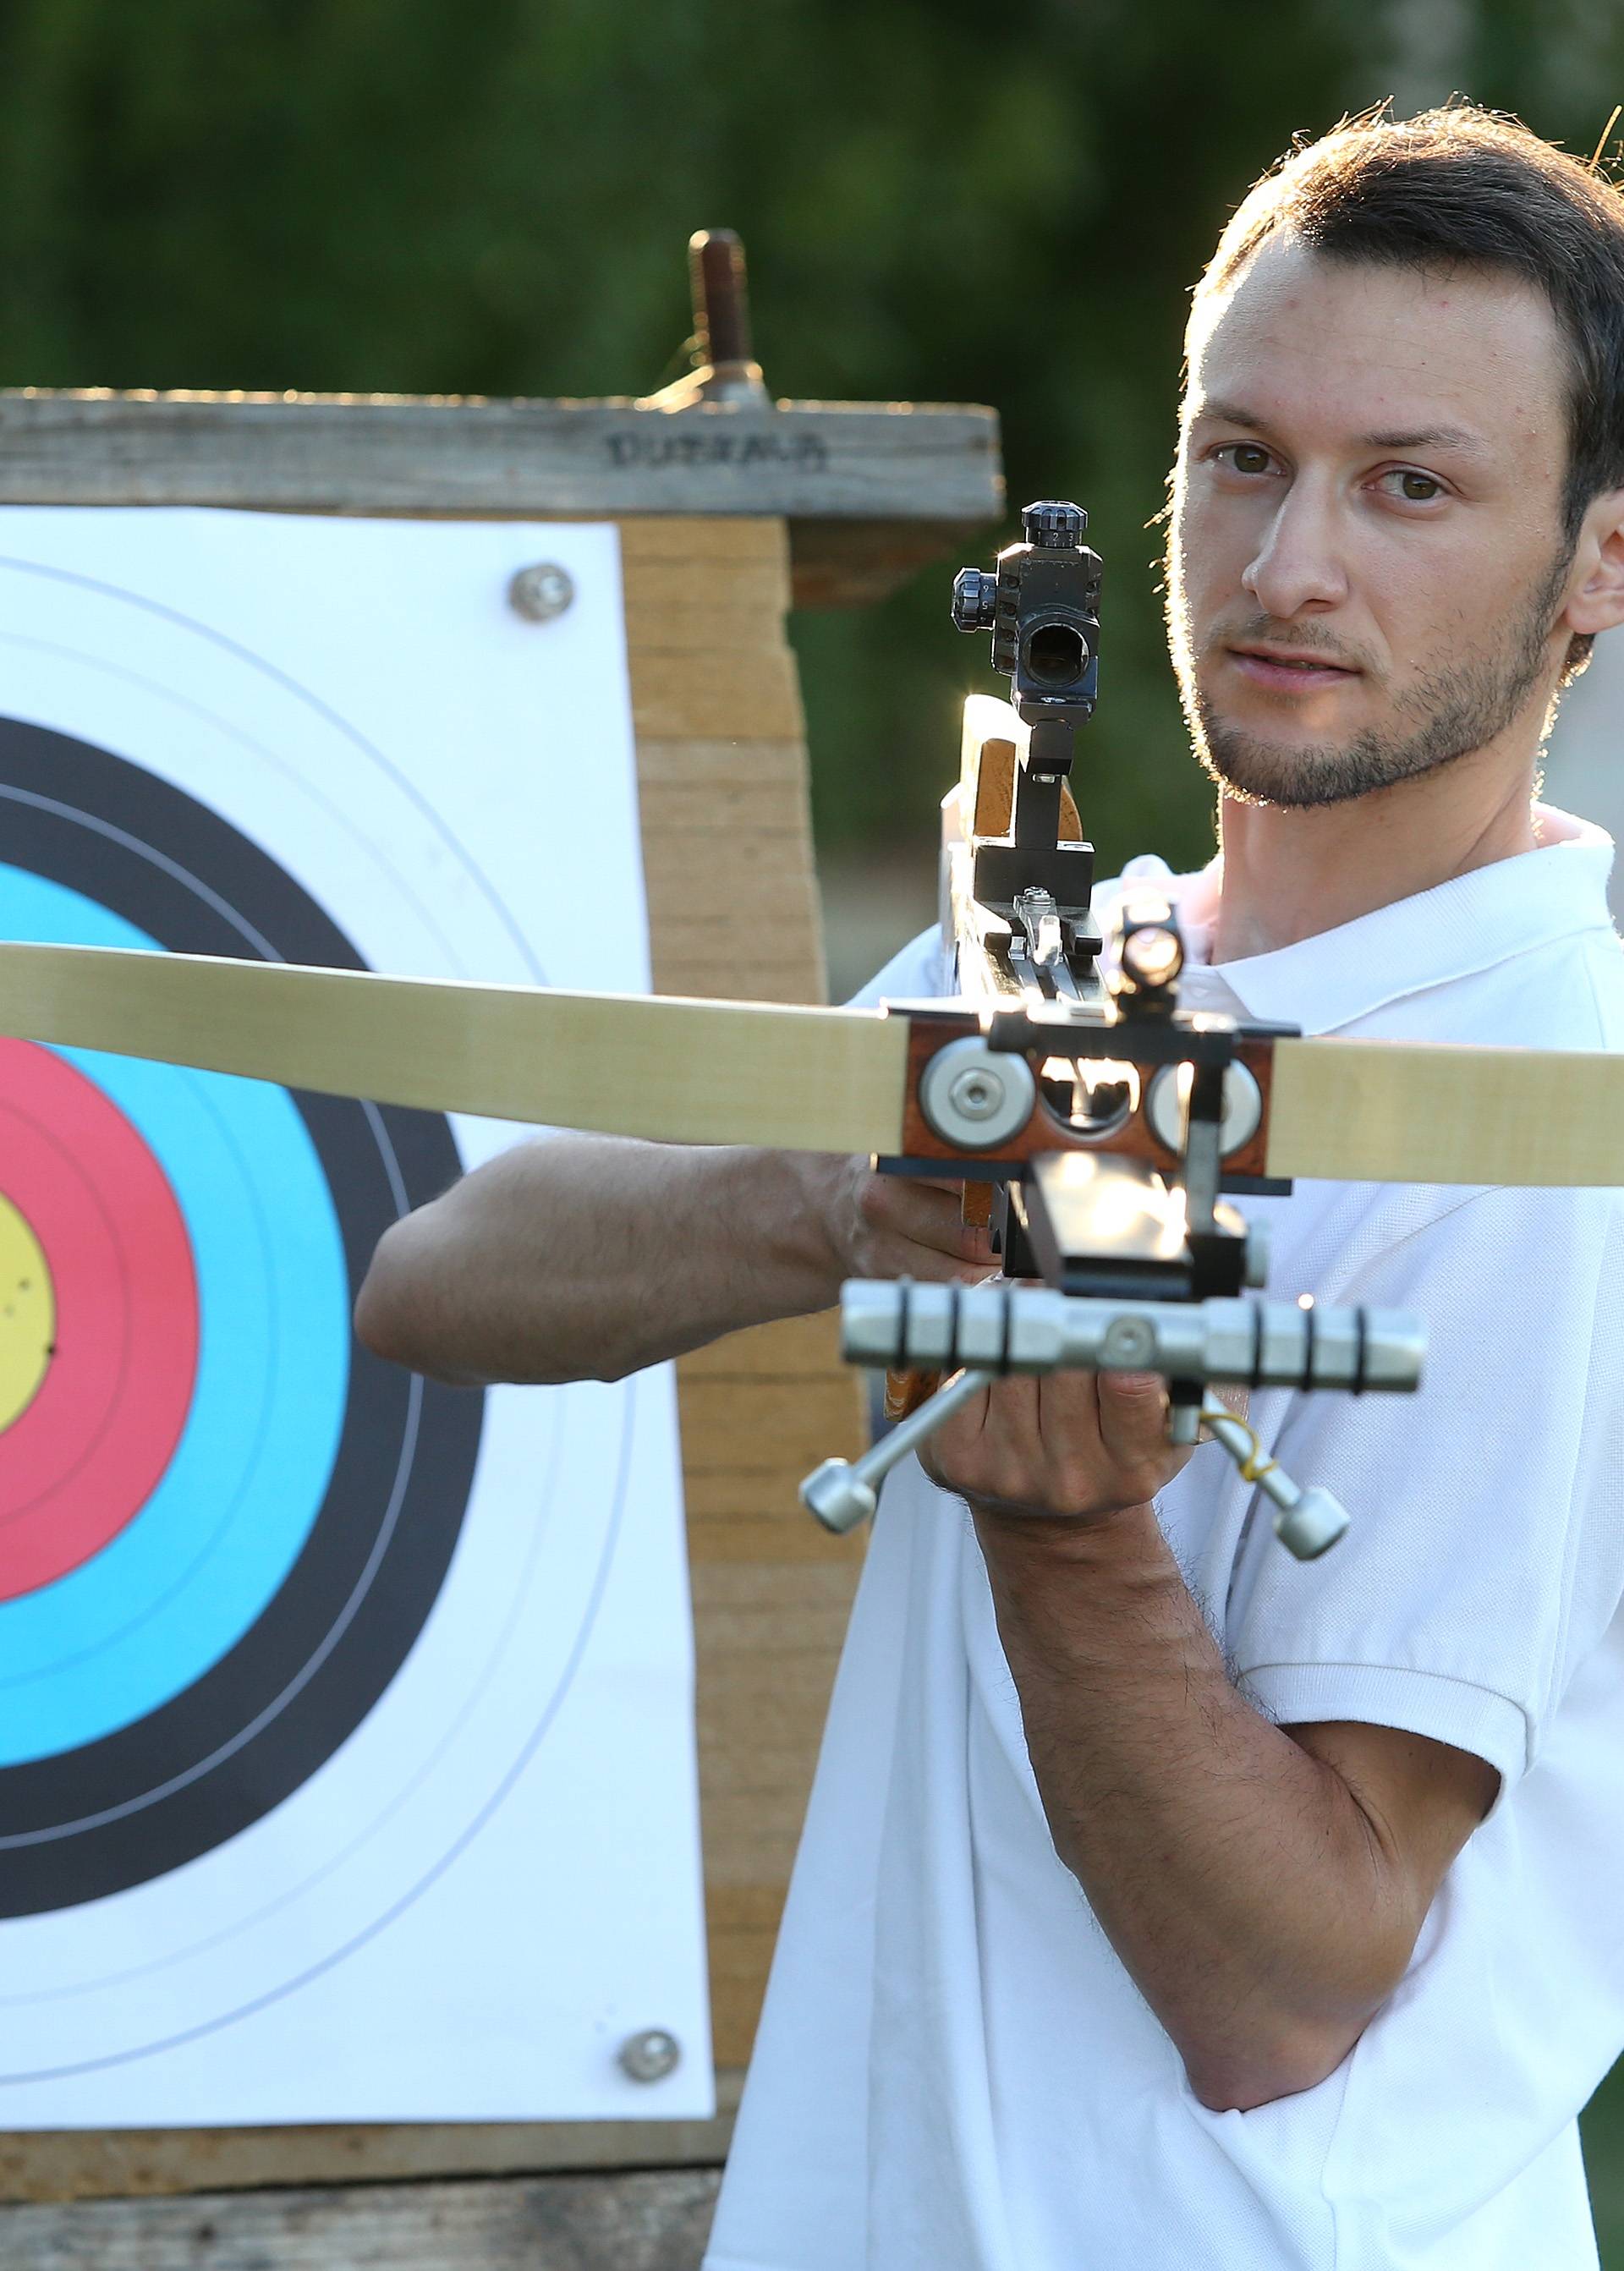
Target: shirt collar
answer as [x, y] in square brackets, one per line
[1466, 925]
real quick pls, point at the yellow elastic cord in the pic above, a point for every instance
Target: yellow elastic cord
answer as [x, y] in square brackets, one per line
[1256, 1463]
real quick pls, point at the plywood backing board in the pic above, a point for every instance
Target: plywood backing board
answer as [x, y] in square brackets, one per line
[650, 2221]
[771, 1591]
[871, 490]
[734, 913]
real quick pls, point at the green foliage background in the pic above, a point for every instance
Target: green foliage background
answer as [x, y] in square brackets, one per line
[941, 201]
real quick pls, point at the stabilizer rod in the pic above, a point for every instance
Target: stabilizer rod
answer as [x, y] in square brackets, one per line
[997, 1328]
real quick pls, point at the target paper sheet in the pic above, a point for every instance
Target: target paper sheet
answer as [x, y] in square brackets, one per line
[346, 1759]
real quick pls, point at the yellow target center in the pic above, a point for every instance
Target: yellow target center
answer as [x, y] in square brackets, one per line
[27, 1314]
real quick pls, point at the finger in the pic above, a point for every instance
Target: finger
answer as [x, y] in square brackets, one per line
[1133, 1415]
[956, 1437]
[923, 1214]
[1011, 1434]
[934, 1268]
[1069, 1413]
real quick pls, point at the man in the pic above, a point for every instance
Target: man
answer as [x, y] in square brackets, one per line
[1163, 1902]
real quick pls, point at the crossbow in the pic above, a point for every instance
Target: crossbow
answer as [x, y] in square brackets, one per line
[1106, 1108]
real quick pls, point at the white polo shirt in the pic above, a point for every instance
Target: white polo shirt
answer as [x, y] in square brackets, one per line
[954, 2071]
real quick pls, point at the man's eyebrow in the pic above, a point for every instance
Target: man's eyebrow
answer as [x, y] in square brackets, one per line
[1229, 413]
[1416, 438]
[1429, 437]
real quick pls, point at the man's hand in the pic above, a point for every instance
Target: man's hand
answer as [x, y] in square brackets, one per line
[900, 1226]
[1075, 1443]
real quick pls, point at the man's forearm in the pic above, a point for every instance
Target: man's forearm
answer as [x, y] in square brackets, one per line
[1237, 1877]
[587, 1257]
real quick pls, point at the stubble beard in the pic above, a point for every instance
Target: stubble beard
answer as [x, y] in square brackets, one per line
[1445, 717]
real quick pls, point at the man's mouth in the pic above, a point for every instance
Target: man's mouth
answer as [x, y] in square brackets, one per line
[1293, 667]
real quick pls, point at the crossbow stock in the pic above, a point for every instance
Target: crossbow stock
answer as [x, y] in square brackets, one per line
[1112, 1107]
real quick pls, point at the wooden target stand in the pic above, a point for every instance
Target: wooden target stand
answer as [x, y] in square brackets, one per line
[728, 515]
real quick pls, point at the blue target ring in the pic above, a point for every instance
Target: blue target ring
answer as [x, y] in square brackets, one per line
[176, 1588]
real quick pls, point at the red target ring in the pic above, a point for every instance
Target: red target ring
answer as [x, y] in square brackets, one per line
[79, 1462]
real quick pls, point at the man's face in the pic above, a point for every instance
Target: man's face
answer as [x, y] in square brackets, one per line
[1365, 558]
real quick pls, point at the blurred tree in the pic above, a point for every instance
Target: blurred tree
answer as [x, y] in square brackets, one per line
[938, 203]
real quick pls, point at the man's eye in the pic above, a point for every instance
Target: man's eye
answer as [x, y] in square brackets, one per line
[1243, 457]
[1413, 488]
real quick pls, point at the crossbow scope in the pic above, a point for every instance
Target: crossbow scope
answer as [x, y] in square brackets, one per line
[1041, 604]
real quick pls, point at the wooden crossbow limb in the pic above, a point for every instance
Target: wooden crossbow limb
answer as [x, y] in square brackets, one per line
[680, 1071]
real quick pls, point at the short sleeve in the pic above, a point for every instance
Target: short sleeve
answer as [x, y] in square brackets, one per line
[1485, 1559]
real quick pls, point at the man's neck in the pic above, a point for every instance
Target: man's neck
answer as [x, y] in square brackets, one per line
[1288, 874]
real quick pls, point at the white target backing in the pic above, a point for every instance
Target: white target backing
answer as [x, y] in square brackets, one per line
[383, 1807]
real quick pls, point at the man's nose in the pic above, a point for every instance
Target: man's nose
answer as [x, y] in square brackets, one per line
[1299, 564]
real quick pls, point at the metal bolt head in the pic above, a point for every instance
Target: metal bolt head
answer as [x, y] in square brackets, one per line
[651, 2055]
[542, 592]
[1129, 1342]
[977, 1093]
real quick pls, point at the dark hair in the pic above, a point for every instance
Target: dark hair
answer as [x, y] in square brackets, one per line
[1460, 186]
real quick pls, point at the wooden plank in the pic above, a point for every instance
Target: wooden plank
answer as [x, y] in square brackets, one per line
[784, 1351]
[784, 1534]
[725, 1493]
[746, 810]
[727, 803]
[754, 866]
[697, 695]
[750, 1588]
[727, 549]
[754, 1833]
[740, 923]
[689, 967]
[696, 626]
[643, 2222]
[750, 1907]
[702, 762]
[766, 1427]
[752, 1632]
[652, 582]
[931, 464]
[777, 1672]
[147, 2163]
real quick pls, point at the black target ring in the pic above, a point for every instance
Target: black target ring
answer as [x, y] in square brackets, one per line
[228, 1749]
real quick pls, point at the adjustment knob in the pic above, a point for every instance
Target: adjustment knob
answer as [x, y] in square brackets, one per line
[1052, 525]
[975, 600]
[1313, 1525]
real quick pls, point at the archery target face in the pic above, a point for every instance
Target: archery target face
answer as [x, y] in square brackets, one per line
[286, 1632]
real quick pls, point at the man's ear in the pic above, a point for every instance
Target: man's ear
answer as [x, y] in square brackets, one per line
[1595, 601]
